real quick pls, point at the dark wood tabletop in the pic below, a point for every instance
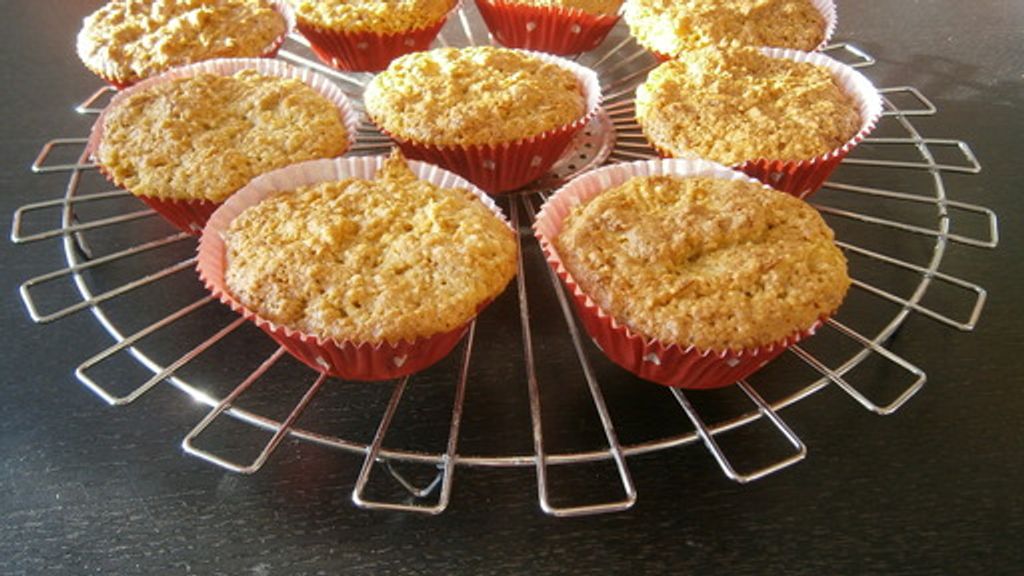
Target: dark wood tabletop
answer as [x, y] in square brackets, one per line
[935, 488]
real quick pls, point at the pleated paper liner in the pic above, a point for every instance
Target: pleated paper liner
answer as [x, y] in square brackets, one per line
[107, 69]
[351, 360]
[190, 215]
[365, 51]
[827, 8]
[507, 166]
[802, 178]
[552, 29]
[667, 364]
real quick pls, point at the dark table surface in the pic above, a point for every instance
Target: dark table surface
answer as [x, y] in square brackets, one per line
[934, 489]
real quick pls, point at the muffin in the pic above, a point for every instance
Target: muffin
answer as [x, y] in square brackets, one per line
[496, 116]
[128, 40]
[668, 27]
[560, 27]
[365, 35]
[690, 274]
[185, 141]
[366, 268]
[750, 107]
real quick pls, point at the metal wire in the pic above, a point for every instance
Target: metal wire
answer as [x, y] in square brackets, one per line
[615, 137]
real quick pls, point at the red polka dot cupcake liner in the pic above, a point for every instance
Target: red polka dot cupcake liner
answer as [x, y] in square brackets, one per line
[353, 51]
[556, 30]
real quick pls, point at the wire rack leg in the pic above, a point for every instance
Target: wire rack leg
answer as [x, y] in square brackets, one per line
[708, 438]
[446, 470]
[837, 376]
[81, 372]
[188, 443]
[615, 448]
[92, 104]
[25, 290]
[39, 164]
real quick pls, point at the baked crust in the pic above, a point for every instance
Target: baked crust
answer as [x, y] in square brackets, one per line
[736, 105]
[128, 40]
[671, 26]
[205, 136]
[473, 96]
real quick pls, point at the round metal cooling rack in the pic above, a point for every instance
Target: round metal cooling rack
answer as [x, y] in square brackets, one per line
[901, 237]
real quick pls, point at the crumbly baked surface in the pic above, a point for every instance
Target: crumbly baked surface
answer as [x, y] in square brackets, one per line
[129, 40]
[473, 96]
[669, 26]
[609, 7]
[711, 263]
[381, 16]
[737, 105]
[206, 136]
[390, 259]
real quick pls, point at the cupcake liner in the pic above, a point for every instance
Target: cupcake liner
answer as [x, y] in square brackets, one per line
[364, 51]
[556, 30]
[827, 8]
[668, 364]
[191, 215]
[802, 178]
[348, 359]
[107, 69]
[508, 166]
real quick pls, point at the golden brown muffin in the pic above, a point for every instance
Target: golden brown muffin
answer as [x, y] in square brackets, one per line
[204, 137]
[128, 40]
[670, 26]
[389, 259]
[712, 263]
[609, 7]
[380, 16]
[737, 105]
[473, 96]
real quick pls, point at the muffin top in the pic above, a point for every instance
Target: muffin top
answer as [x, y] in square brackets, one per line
[473, 96]
[670, 26]
[204, 137]
[380, 16]
[128, 40]
[716, 264]
[608, 7]
[390, 259]
[737, 105]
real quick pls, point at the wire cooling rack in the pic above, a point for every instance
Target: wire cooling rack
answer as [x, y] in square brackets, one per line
[888, 204]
